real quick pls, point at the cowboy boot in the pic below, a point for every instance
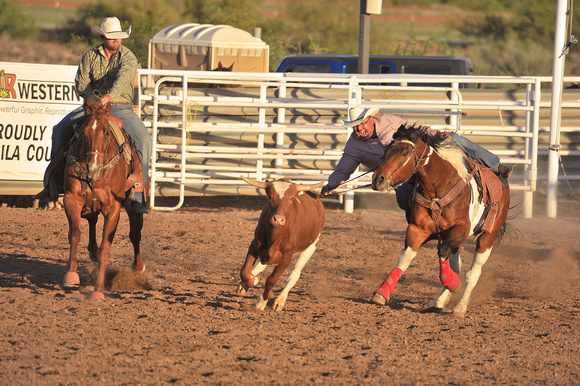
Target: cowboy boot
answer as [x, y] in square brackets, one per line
[56, 165]
[137, 203]
[504, 171]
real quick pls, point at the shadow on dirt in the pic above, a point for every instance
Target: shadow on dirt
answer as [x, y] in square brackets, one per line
[23, 271]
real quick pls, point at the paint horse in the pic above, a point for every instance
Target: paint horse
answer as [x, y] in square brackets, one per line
[450, 204]
[101, 169]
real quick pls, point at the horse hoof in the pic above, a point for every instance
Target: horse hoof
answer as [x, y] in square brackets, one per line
[97, 296]
[71, 280]
[379, 299]
[142, 270]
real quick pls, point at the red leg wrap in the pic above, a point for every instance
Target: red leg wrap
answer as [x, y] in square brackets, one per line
[388, 285]
[449, 278]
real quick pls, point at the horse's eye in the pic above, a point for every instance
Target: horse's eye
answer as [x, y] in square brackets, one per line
[406, 153]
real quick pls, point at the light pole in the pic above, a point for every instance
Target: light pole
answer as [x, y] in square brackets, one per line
[560, 51]
[367, 7]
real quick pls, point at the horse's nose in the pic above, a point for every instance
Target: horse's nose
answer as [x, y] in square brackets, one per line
[378, 181]
[93, 170]
[278, 220]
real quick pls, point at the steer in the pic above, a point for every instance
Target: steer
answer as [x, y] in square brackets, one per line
[290, 223]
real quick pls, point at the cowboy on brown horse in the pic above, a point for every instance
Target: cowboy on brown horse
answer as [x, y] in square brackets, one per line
[107, 71]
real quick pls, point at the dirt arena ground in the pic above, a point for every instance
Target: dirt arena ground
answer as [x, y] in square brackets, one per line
[183, 323]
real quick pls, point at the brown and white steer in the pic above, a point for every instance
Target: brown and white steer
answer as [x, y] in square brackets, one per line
[290, 223]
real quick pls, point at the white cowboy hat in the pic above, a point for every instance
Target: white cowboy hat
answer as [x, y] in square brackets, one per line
[358, 114]
[111, 29]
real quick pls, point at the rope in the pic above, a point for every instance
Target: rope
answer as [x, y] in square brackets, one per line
[335, 193]
[500, 117]
[571, 38]
[347, 190]
[557, 150]
[356, 178]
[195, 103]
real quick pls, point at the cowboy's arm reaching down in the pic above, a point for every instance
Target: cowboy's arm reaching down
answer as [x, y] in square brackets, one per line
[356, 152]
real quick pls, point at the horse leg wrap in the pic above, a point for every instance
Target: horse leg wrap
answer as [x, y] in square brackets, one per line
[449, 278]
[389, 284]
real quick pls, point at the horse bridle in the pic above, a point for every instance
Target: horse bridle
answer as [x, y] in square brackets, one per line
[418, 160]
[103, 168]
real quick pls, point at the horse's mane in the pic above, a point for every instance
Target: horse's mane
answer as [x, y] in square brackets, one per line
[93, 106]
[439, 141]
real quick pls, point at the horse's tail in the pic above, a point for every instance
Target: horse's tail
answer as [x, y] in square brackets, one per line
[507, 228]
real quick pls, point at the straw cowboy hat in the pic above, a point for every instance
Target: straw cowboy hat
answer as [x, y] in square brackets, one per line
[111, 29]
[358, 114]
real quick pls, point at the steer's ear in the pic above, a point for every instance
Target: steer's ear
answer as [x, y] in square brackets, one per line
[304, 188]
[257, 184]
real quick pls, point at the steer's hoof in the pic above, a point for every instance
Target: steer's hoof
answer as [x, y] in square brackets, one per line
[71, 280]
[242, 289]
[459, 313]
[280, 302]
[97, 296]
[261, 303]
[379, 299]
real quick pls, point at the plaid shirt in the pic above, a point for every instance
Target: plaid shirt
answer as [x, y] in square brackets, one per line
[98, 77]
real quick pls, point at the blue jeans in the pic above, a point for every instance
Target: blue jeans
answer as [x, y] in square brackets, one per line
[63, 130]
[132, 124]
[403, 195]
[476, 152]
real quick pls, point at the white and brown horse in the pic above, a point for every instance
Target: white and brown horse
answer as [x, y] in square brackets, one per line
[449, 205]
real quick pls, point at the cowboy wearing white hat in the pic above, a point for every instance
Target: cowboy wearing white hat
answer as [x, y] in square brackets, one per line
[111, 29]
[107, 72]
[372, 131]
[358, 114]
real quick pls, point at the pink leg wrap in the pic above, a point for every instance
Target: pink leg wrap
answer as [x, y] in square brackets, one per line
[388, 285]
[449, 278]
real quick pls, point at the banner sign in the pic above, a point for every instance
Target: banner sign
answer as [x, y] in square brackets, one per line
[33, 98]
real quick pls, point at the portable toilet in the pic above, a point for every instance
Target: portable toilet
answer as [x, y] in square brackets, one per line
[200, 47]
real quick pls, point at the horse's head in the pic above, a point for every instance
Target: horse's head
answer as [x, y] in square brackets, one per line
[398, 165]
[96, 135]
[401, 158]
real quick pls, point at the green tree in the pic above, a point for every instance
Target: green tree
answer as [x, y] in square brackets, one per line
[145, 19]
[14, 23]
[242, 14]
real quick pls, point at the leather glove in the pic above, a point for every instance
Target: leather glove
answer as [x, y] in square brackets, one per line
[326, 190]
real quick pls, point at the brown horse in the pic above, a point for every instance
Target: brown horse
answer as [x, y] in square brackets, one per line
[448, 205]
[99, 173]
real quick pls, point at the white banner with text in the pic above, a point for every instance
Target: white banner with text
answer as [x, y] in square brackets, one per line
[33, 98]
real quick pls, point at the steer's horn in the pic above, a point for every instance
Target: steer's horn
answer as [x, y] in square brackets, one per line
[304, 188]
[257, 184]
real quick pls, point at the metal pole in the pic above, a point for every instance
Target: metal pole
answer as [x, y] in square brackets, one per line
[556, 112]
[364, 39]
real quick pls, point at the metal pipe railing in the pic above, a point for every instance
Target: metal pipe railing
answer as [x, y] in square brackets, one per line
[282, 95]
